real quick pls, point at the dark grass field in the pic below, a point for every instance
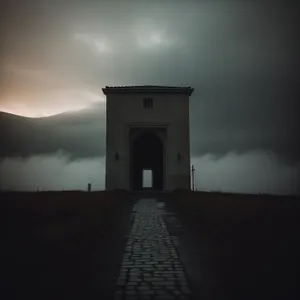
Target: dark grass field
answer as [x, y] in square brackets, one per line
[67, 243]
[61, 245]
[251, 243]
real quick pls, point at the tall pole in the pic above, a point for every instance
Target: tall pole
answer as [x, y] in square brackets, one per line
[193, 178]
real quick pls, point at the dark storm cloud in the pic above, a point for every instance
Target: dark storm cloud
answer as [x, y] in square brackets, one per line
[240, 56]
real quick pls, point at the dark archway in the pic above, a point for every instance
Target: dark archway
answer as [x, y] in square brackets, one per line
[147, 152]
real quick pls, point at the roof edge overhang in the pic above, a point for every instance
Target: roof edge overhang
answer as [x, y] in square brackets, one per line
[147, 90]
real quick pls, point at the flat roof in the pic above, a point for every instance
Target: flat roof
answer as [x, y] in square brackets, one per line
[147, 89]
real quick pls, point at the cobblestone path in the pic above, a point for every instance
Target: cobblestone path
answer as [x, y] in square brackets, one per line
[151, 268]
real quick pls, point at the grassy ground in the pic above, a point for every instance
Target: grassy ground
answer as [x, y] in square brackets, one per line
[253, 242]
[216, 213]
[62, 239]
[74, 241]
[67, 216]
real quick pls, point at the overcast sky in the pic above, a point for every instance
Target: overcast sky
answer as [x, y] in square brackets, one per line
[240, 56]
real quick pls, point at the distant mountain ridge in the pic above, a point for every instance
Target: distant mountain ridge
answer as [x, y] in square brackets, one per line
[79, 133]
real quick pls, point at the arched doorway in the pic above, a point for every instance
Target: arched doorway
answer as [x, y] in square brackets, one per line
[147, 153]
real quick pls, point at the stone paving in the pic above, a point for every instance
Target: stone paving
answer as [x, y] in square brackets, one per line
[151, 268]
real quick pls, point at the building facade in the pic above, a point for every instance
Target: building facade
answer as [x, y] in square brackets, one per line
[147, 128]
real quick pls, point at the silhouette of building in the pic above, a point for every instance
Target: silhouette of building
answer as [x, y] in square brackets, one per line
[147, 128]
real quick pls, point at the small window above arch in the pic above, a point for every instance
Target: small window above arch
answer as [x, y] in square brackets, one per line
[148, 103]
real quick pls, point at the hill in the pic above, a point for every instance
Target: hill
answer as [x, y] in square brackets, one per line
[79, 133]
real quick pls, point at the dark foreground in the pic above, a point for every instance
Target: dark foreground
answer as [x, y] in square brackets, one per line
[81, 245]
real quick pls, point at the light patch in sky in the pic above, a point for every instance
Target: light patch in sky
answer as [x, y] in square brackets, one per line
[150, 35]
[35, 92]
[28, 105]
[156, 39]
[99, 44]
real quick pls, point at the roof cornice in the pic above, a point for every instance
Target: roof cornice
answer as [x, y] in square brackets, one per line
[147, 89]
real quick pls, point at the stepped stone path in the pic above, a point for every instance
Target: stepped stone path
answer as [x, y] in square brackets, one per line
[151, 267]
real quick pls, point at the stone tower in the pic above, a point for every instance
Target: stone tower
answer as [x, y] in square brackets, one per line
[147, 128]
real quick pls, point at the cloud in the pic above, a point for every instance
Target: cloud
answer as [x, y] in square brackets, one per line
[53, 172]
[99, 44]
[254, 172]
[240, 56]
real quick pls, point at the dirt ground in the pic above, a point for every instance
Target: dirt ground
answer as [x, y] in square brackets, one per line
[69, 244]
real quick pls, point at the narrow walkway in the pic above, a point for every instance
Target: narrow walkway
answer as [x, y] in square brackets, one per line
[151, 268]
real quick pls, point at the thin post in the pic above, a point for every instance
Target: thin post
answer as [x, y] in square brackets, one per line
[193, 178]
[89, 187]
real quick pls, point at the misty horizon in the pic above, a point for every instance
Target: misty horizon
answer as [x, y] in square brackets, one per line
[239, 56]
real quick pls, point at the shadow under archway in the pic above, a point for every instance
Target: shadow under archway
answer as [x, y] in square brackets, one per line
[147, 152]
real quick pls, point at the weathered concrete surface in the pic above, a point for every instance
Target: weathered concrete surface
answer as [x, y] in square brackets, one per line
[170, 112]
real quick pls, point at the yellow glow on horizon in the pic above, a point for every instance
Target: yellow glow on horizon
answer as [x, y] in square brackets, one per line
[34, 114]
[54, 102]
[25, 113]
[37, 112]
